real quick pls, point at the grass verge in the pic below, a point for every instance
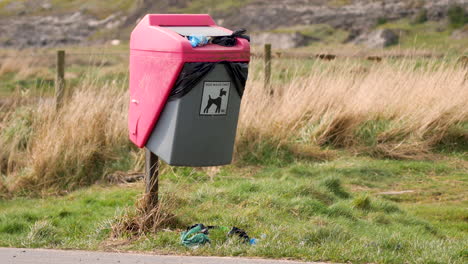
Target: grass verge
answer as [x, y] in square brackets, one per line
[338, 210]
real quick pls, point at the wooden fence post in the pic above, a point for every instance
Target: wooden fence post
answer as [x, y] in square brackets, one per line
[267, 65]
[151, 179]
[60, 79]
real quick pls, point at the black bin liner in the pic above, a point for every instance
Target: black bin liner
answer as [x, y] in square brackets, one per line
[230, 41]
[193, 72]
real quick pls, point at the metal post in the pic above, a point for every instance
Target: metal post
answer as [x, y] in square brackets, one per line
[151, 179]
[267, 66]
[60, 79]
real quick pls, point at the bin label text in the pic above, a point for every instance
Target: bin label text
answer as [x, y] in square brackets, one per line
[215, 98]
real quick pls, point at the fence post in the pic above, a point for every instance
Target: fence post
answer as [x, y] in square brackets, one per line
[151, 179]
[267, 55]
[60, 79]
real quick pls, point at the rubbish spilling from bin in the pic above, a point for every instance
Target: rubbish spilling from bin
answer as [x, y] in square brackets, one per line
[226, 41]
[198, 41]
[231, 40]
[198, 235]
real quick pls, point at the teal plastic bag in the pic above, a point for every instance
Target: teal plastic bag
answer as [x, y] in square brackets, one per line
[194, 237]
[197, 235]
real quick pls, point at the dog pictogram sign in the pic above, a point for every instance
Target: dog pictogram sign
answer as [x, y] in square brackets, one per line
[215, 98]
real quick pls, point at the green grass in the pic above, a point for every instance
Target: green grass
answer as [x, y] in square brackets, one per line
[211, 6]
[339, 3]
[457, 16]
[429, 35]
[325, 33]
[97, 8]
[81, 64]
[329, 211]
[78, 220]
[415, 34]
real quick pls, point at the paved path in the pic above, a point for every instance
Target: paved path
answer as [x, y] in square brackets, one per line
[43, 256]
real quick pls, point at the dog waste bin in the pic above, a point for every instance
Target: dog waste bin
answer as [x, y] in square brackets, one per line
[184, 100]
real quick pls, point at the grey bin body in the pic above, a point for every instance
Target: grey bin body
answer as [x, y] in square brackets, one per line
[188, 135]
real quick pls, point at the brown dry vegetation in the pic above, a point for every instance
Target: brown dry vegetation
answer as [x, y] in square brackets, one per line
[146, 219]
[399, 110]
[65, 149]
[390, 110]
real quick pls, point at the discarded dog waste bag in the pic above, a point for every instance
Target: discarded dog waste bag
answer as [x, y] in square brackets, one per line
[184, 100]
[198, 234]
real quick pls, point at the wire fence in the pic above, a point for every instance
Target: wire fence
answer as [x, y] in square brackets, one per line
[277, 54]
[267, 56]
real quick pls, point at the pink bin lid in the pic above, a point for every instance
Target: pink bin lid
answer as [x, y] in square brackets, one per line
[157, 32]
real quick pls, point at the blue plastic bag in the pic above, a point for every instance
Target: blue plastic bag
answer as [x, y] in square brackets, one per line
[198, 41]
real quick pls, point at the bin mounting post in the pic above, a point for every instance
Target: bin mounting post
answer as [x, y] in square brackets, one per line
[151, 179]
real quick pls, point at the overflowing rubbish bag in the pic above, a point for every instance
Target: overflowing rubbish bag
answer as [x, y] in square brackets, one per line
[198, 234]
[229, 41]
[226, 41]
[193, 72]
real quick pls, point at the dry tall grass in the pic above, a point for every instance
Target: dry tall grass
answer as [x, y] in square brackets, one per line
[48, 150]
[143, 219]
[391, 110]
[25, 65]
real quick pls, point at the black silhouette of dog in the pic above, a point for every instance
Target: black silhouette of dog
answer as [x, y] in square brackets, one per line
[215, 101]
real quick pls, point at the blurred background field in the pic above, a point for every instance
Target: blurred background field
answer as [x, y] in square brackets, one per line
[360, 157]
